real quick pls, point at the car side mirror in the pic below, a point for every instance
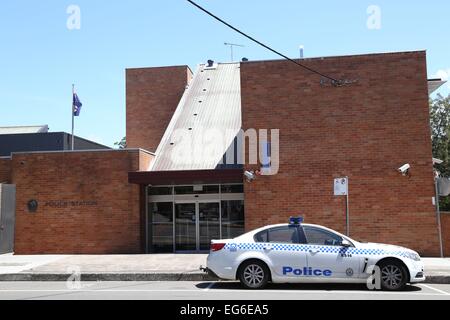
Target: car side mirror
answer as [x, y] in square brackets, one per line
[345, 243]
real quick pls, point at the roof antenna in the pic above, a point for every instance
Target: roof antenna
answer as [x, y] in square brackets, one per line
[231, 48]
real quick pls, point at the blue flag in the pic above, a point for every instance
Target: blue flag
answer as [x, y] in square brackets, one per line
[76, 105]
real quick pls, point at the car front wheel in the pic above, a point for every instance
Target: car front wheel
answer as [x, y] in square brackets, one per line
[393, 276]
[253, 274]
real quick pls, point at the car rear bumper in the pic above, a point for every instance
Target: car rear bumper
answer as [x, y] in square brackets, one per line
[209, 272]
[219, 267]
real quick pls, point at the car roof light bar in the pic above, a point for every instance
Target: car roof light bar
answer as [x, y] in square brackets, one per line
[295, 220]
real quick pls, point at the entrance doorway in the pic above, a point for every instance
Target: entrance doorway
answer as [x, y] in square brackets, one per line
[196, 224]
[187, 218]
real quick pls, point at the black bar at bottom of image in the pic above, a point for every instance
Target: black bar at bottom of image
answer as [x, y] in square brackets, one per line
[212, 309]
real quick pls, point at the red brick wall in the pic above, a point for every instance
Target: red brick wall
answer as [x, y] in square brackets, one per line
[365, 131]
[145, 159]
[445, 222]
[112, 225]
[152, 97]
[5, 170]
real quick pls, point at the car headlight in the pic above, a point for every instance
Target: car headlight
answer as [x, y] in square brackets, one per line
[413, 256]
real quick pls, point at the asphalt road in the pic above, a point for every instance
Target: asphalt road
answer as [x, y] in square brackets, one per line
[208, 290]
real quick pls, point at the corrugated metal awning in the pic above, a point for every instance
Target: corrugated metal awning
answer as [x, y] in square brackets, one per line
[434, 84]
[206, 121]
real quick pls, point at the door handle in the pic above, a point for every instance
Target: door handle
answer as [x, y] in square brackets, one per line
[313, 251]
[267, 248]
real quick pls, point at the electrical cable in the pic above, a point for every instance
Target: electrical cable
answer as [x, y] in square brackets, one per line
[333, 80]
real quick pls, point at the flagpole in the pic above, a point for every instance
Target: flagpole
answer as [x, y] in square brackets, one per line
[73, 118]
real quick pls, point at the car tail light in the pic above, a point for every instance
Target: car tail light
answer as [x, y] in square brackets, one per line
[217, 246]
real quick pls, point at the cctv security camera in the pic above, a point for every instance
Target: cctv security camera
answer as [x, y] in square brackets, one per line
[249, 175]
[404, 170]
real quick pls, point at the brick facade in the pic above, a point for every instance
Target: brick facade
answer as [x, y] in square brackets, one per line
[365, 131]
[5, 170]
[152, 97]
[445, 222]
[85, 203]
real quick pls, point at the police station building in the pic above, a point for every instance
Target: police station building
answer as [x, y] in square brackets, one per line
[234, 146]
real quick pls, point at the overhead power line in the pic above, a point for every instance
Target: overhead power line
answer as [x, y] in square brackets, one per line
[333, 80]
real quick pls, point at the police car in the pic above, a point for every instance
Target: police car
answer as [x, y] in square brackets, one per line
[298, 253]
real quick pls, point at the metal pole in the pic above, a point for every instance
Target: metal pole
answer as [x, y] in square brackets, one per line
[438, 216]
[220, 211]
[347, 210]
[73, 119]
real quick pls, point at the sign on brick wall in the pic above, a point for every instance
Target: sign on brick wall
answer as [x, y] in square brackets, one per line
[341, 187]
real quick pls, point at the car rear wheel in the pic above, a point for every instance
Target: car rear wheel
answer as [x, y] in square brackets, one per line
[393, 275]
[253, 274]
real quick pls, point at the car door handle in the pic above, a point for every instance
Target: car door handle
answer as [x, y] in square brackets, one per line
[313, 251]
[268, 248]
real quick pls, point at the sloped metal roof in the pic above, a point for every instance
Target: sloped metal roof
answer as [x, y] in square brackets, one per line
[206, 121]
[24, 129]
[434, 85]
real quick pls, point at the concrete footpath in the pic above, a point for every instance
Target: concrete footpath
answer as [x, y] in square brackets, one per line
[156, 267]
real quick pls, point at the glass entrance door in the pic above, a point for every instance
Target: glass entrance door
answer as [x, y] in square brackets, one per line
[209, 224]
[196, 224]
[185, 227]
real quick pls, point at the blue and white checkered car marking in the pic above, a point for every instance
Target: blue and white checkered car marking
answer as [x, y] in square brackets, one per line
[306, 248]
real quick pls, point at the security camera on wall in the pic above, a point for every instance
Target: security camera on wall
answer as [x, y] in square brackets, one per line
[250, 176]
[404, 170]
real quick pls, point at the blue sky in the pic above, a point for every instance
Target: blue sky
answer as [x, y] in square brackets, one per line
[40, 57]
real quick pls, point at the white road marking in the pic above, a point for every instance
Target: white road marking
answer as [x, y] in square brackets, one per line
[435, 289]
[230, 291]
[211, 289]
[98, 290]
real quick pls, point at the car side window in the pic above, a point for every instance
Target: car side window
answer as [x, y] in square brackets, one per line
[278, 235]
[321, 237]
[261, 236]
[283, 235]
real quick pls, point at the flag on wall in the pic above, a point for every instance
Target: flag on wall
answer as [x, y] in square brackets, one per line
[76, 105]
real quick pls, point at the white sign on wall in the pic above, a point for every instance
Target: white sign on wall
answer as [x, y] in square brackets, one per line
[341, 187]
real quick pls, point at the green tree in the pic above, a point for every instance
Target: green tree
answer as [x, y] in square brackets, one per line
[122, 144]
[440, 132]
[440, 137]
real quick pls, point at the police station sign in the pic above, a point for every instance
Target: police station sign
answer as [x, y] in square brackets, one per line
[72, 203]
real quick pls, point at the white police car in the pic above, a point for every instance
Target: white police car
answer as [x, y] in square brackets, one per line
[297, 252]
